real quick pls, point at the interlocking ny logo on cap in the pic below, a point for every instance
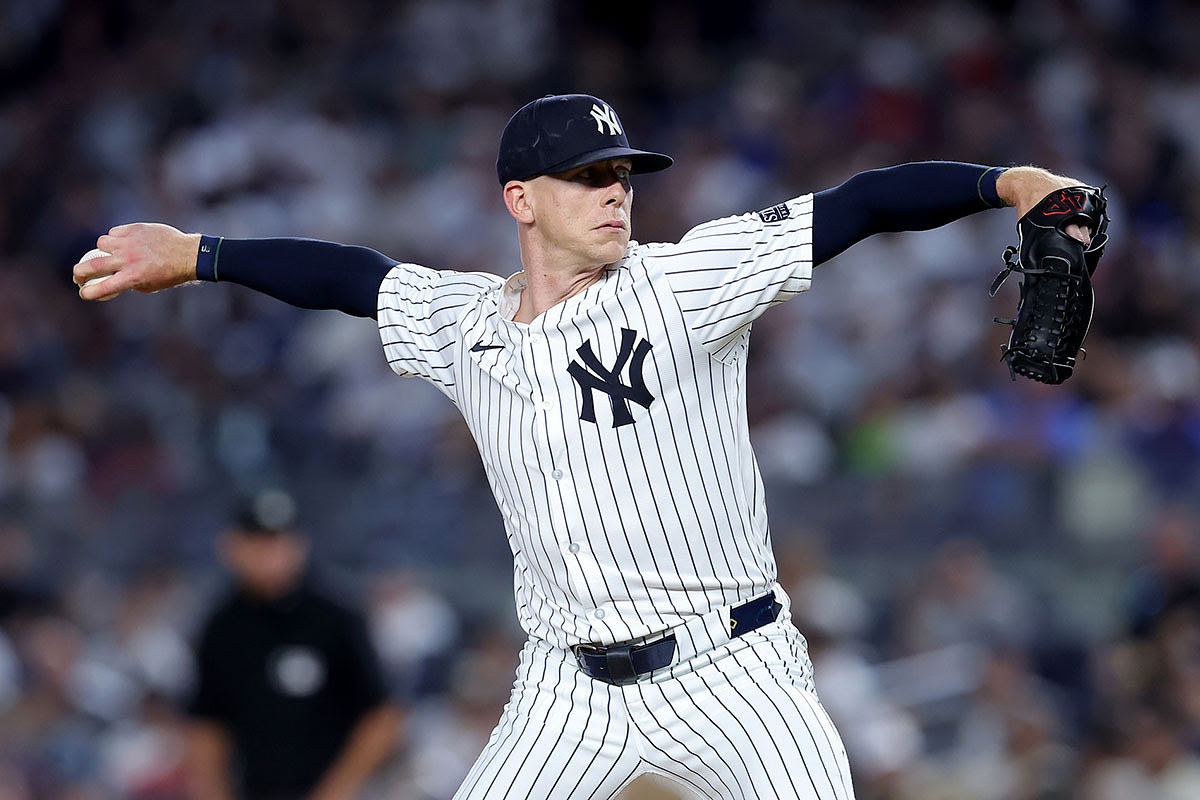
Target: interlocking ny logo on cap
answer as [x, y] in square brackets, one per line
[554, 134]
[606, 116]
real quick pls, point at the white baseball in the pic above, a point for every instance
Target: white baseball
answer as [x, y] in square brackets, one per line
[96, 252]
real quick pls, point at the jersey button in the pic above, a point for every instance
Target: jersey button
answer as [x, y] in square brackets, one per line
[598, 613]
[558, 475]
[573, 547]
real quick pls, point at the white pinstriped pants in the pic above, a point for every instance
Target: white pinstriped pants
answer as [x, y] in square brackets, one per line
[738, 722]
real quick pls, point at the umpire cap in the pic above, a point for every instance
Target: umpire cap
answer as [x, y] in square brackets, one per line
[556, 133]
[265, 513]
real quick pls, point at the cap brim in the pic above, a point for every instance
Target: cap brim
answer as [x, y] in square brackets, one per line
[643, 161]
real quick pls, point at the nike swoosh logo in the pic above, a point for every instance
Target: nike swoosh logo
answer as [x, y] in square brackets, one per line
[479, 347]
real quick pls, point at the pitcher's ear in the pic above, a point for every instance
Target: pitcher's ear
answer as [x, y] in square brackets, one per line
[516, 199]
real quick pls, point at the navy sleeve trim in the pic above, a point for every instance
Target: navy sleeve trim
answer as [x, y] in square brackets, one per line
[206, 258]
[987, 187]
[308, 273]
[908, 197]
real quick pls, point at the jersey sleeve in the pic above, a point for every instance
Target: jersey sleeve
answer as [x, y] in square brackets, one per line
[419, 314]
[725, 273]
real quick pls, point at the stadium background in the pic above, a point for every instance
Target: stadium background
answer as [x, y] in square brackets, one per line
[999, 580]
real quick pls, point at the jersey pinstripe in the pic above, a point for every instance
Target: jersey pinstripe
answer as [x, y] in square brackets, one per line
[613, 427]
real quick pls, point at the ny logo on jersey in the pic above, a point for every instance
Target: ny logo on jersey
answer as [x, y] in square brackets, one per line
[606, 116]
[592, 375]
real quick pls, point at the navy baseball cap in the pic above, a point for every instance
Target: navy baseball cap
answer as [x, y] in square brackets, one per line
[563, 131]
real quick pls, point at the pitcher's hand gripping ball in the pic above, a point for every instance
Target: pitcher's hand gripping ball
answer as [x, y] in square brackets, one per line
[88, 256]
[1055, 310]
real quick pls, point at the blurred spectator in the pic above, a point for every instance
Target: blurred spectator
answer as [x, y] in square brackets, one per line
[882, 739]
[455, 730]
[961, 599]
[1153, 762]
[1170, 582]
[290, 701]
[414, 630]
[1008, 745]
[18, 589]
[144, 755]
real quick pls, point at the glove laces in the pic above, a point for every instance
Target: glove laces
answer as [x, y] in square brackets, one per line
[1049, 303]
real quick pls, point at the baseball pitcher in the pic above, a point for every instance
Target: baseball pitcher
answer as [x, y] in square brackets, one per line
[604, 384]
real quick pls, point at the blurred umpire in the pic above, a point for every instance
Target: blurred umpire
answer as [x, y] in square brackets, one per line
[290, 701]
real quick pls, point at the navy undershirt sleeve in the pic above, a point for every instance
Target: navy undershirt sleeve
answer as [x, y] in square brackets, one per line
[313, 274]
[304, 272]
[906, 197]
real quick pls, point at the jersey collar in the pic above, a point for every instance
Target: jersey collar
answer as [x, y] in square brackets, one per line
[510, 295]
[509, 301]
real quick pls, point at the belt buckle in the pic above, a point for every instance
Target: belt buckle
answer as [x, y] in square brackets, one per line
[587, 650]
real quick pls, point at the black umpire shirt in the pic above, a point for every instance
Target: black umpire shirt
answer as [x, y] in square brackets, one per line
[288, 679]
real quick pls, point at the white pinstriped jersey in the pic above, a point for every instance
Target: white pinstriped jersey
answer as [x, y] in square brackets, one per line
[613, 427]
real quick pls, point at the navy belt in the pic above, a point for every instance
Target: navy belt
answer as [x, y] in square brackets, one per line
[622, 664]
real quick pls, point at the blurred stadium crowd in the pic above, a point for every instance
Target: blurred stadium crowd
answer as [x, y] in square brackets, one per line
[1000, 581]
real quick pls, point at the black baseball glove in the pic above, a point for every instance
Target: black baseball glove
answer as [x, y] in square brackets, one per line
[1056, 291]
